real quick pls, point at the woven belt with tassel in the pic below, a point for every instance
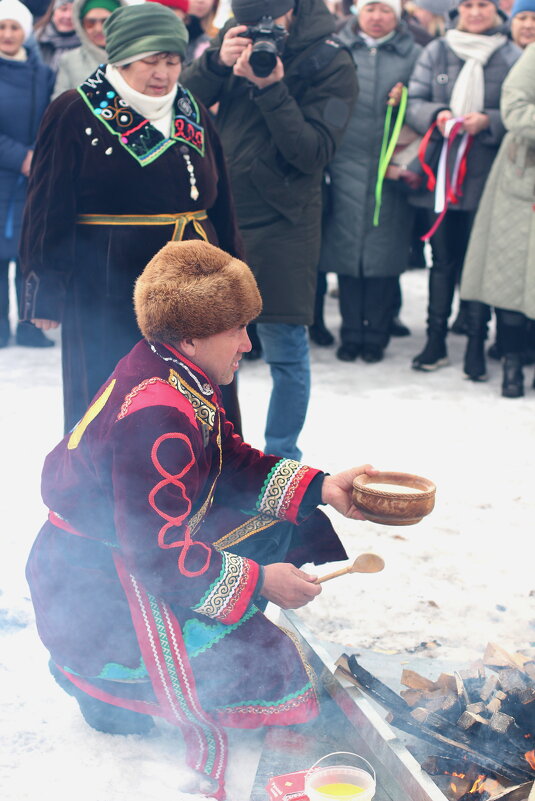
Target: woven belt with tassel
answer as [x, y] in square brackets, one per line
[180, 221]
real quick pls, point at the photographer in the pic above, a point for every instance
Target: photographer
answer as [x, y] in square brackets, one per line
[285, 89]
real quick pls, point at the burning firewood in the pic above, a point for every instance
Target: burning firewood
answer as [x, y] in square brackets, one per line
[484, 715]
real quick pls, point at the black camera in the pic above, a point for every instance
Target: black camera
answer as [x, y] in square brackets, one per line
[268, 43]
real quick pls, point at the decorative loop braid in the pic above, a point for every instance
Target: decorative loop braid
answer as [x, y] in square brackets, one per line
[172, 522]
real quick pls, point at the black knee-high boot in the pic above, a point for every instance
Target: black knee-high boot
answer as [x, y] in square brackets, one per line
[441, 289]
[477, 318]
[513, 335]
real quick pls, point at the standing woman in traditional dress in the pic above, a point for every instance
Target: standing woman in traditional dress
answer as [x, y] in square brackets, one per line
[459, 77]
[25, 88]
[123, 164]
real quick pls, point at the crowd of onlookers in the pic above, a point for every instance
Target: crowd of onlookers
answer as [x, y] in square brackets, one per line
[439, 147]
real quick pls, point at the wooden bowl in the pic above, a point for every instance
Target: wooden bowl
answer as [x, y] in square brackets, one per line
[405, 506]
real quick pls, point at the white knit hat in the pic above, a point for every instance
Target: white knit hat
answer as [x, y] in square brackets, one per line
[17, 11]
[395, 5]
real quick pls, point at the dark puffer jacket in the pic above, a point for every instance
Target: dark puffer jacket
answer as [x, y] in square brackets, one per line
[25, 88]
[277, 143]
[430, 90]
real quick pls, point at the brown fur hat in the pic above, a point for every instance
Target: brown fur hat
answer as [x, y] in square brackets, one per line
[193, 289]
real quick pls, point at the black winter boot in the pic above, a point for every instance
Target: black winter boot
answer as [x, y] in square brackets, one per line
[477, 318]
[31, 337]
[475, 367]
[348, 352]
[320, 334]
[433, 356]
[460, 324]
[513, 377]
[372, 354]
[398, 328]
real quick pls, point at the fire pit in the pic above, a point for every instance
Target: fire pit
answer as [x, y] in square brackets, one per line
[356, 724]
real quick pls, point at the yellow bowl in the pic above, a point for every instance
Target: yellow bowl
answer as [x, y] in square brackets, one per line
[394, 499]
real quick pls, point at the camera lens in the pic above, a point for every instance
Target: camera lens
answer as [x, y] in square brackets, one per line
[263, 58]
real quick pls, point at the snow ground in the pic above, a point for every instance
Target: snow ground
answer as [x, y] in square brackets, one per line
[461, 577]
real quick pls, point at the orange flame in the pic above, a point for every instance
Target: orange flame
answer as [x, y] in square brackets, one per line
[478, 784]
[530, 757]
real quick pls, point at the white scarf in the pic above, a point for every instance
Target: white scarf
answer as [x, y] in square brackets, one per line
[157, 110]
[474, 49]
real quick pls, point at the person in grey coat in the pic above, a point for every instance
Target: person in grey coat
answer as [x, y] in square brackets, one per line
[500, 262]
[75, 66]
[367, 257]
[459, 77]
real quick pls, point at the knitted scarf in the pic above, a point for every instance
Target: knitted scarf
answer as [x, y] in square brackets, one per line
[475, 50]
[157, 110]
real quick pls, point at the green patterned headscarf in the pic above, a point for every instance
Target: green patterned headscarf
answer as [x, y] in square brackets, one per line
[146, 28]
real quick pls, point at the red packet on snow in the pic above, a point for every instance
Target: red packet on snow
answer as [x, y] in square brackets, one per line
[290, 787]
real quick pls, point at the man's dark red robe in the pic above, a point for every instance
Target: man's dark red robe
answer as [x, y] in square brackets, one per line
[138, 577]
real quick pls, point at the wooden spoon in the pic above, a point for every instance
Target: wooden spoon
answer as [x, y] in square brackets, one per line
[365, 563]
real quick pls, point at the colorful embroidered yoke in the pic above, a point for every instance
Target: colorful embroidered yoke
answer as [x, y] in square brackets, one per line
[134, 578]
[141, 139]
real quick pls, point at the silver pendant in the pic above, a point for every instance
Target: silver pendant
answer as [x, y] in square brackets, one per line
[193, 192]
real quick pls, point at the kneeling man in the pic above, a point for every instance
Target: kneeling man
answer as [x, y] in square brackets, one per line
[167, 533]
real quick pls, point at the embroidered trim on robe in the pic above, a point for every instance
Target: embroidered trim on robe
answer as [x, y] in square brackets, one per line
[135, 133]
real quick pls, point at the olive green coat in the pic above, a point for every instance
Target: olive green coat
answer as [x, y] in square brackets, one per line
[500, 262]
[277, 143]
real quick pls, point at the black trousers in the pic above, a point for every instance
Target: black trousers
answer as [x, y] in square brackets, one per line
[366, 307]
[449, 245]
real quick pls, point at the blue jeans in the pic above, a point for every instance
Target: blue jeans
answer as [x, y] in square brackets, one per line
[285, 349]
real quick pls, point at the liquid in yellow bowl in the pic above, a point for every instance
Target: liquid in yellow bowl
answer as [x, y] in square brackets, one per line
[339, 790]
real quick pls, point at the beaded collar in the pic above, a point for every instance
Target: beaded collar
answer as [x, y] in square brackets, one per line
[141, 139]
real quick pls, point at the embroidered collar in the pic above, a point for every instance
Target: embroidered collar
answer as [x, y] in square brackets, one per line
[136, 134]
[194, 372]
[188, 379]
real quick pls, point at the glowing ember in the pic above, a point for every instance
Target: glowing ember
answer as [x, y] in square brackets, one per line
[530, 757]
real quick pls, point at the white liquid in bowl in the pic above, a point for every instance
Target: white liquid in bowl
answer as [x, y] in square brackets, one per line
[400, 489]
